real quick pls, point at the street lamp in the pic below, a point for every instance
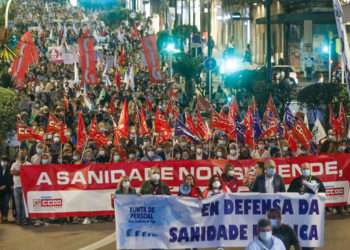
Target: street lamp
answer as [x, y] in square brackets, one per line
[230, 65]
[327, 49]
[171, 50]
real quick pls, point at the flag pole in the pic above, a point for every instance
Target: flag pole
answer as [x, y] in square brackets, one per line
[82, 154]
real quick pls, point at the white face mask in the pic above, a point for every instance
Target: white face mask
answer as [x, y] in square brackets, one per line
[219, 154]
[274, 223]
[265, 236]
[216, 184]
[116, 158]
[150, 154]
[233, 151]
[126, 184]
[45, 161]
[39, 151]
[56, 139]
[155, 177]
[75, 157]
[199, 151]
[261, 147]
[231, 173]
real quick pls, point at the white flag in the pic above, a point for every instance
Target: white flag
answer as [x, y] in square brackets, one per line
[318, 132]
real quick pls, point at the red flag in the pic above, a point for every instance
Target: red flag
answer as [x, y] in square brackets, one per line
[202, 128]
[143, 129]
[123, 124]
[171, 109]
[54, 125]
[111, 107]
[27, 54]
[190, 124]
[202, 104]
[342, 119]
[223, 124]
[65, 103]
[330, 115]
[271, 110]
[249, 130]
[81, 132]
[95, 135]
[121, 57]
[162, 127]
[87, 59]
[233, 109]
[302, 134]
[151, 55]
[118, 79]
[27, 133]
[291, 141]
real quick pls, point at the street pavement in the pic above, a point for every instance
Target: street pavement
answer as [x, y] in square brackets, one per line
[80, 237]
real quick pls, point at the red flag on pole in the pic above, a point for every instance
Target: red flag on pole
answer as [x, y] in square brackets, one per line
[190, 124]
[249, 130]
[123, 124]
[302, 134]
[202, 128]
[87, 59]
[81, 132]
[143, 129]
[233, 109]
[27, 54]
[291, 141]
[151, 54]
[162, 127]
[342, 119]
[25, 132]
[95, 135]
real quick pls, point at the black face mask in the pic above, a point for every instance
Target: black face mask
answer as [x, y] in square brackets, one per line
[67, 159]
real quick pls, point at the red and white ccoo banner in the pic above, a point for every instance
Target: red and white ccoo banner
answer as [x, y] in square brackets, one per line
[87, 190]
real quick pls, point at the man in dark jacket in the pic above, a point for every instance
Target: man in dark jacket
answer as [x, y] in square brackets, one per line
[5, 188]
[306, 183]
[154, 186]
[269, 182]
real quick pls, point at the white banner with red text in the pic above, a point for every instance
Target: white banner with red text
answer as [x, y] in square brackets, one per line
[88, 190]
[223, 220]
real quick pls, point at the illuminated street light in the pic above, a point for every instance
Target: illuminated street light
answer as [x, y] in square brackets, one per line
[230, 65]
[171, 48]
[325, 49]
[74, 3]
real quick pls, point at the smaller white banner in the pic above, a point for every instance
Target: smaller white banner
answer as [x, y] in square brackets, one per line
[224, 220]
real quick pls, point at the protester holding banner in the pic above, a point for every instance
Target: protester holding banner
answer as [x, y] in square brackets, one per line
[306, 183]
[269, 182]
[282, 231]
[124, 186]
[229, 180]
[189, 188]
[215, 186]
[265, 239]
[154, 186]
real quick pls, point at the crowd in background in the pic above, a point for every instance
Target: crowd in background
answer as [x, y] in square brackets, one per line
[53, 88]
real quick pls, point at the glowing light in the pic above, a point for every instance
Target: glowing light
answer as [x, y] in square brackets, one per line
[230, 65]
[171, 48]
[74, 3]
[325, 49]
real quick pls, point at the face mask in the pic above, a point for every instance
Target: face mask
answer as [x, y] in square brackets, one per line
[101, 153]
[306, 172]
[199, 151]
[285, 148]
[3, 163]
[56, 139]
[150, 154]
[265, 236]
[45, 161]
[126, 184]
[232, 151]
[216, 184]
[219, 154]
[331, 138]
[109, 143]
[270, 171]
[261, 147]
[274, 223]
[75, 157]
[341, 148]
[116, 158]
[221, 142]
[145, 143]
[39, 151]
[22, 158]
[155, 177]
[132, 156]
[230, 173]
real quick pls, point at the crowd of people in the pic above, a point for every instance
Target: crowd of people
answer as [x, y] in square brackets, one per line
[53, 89]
